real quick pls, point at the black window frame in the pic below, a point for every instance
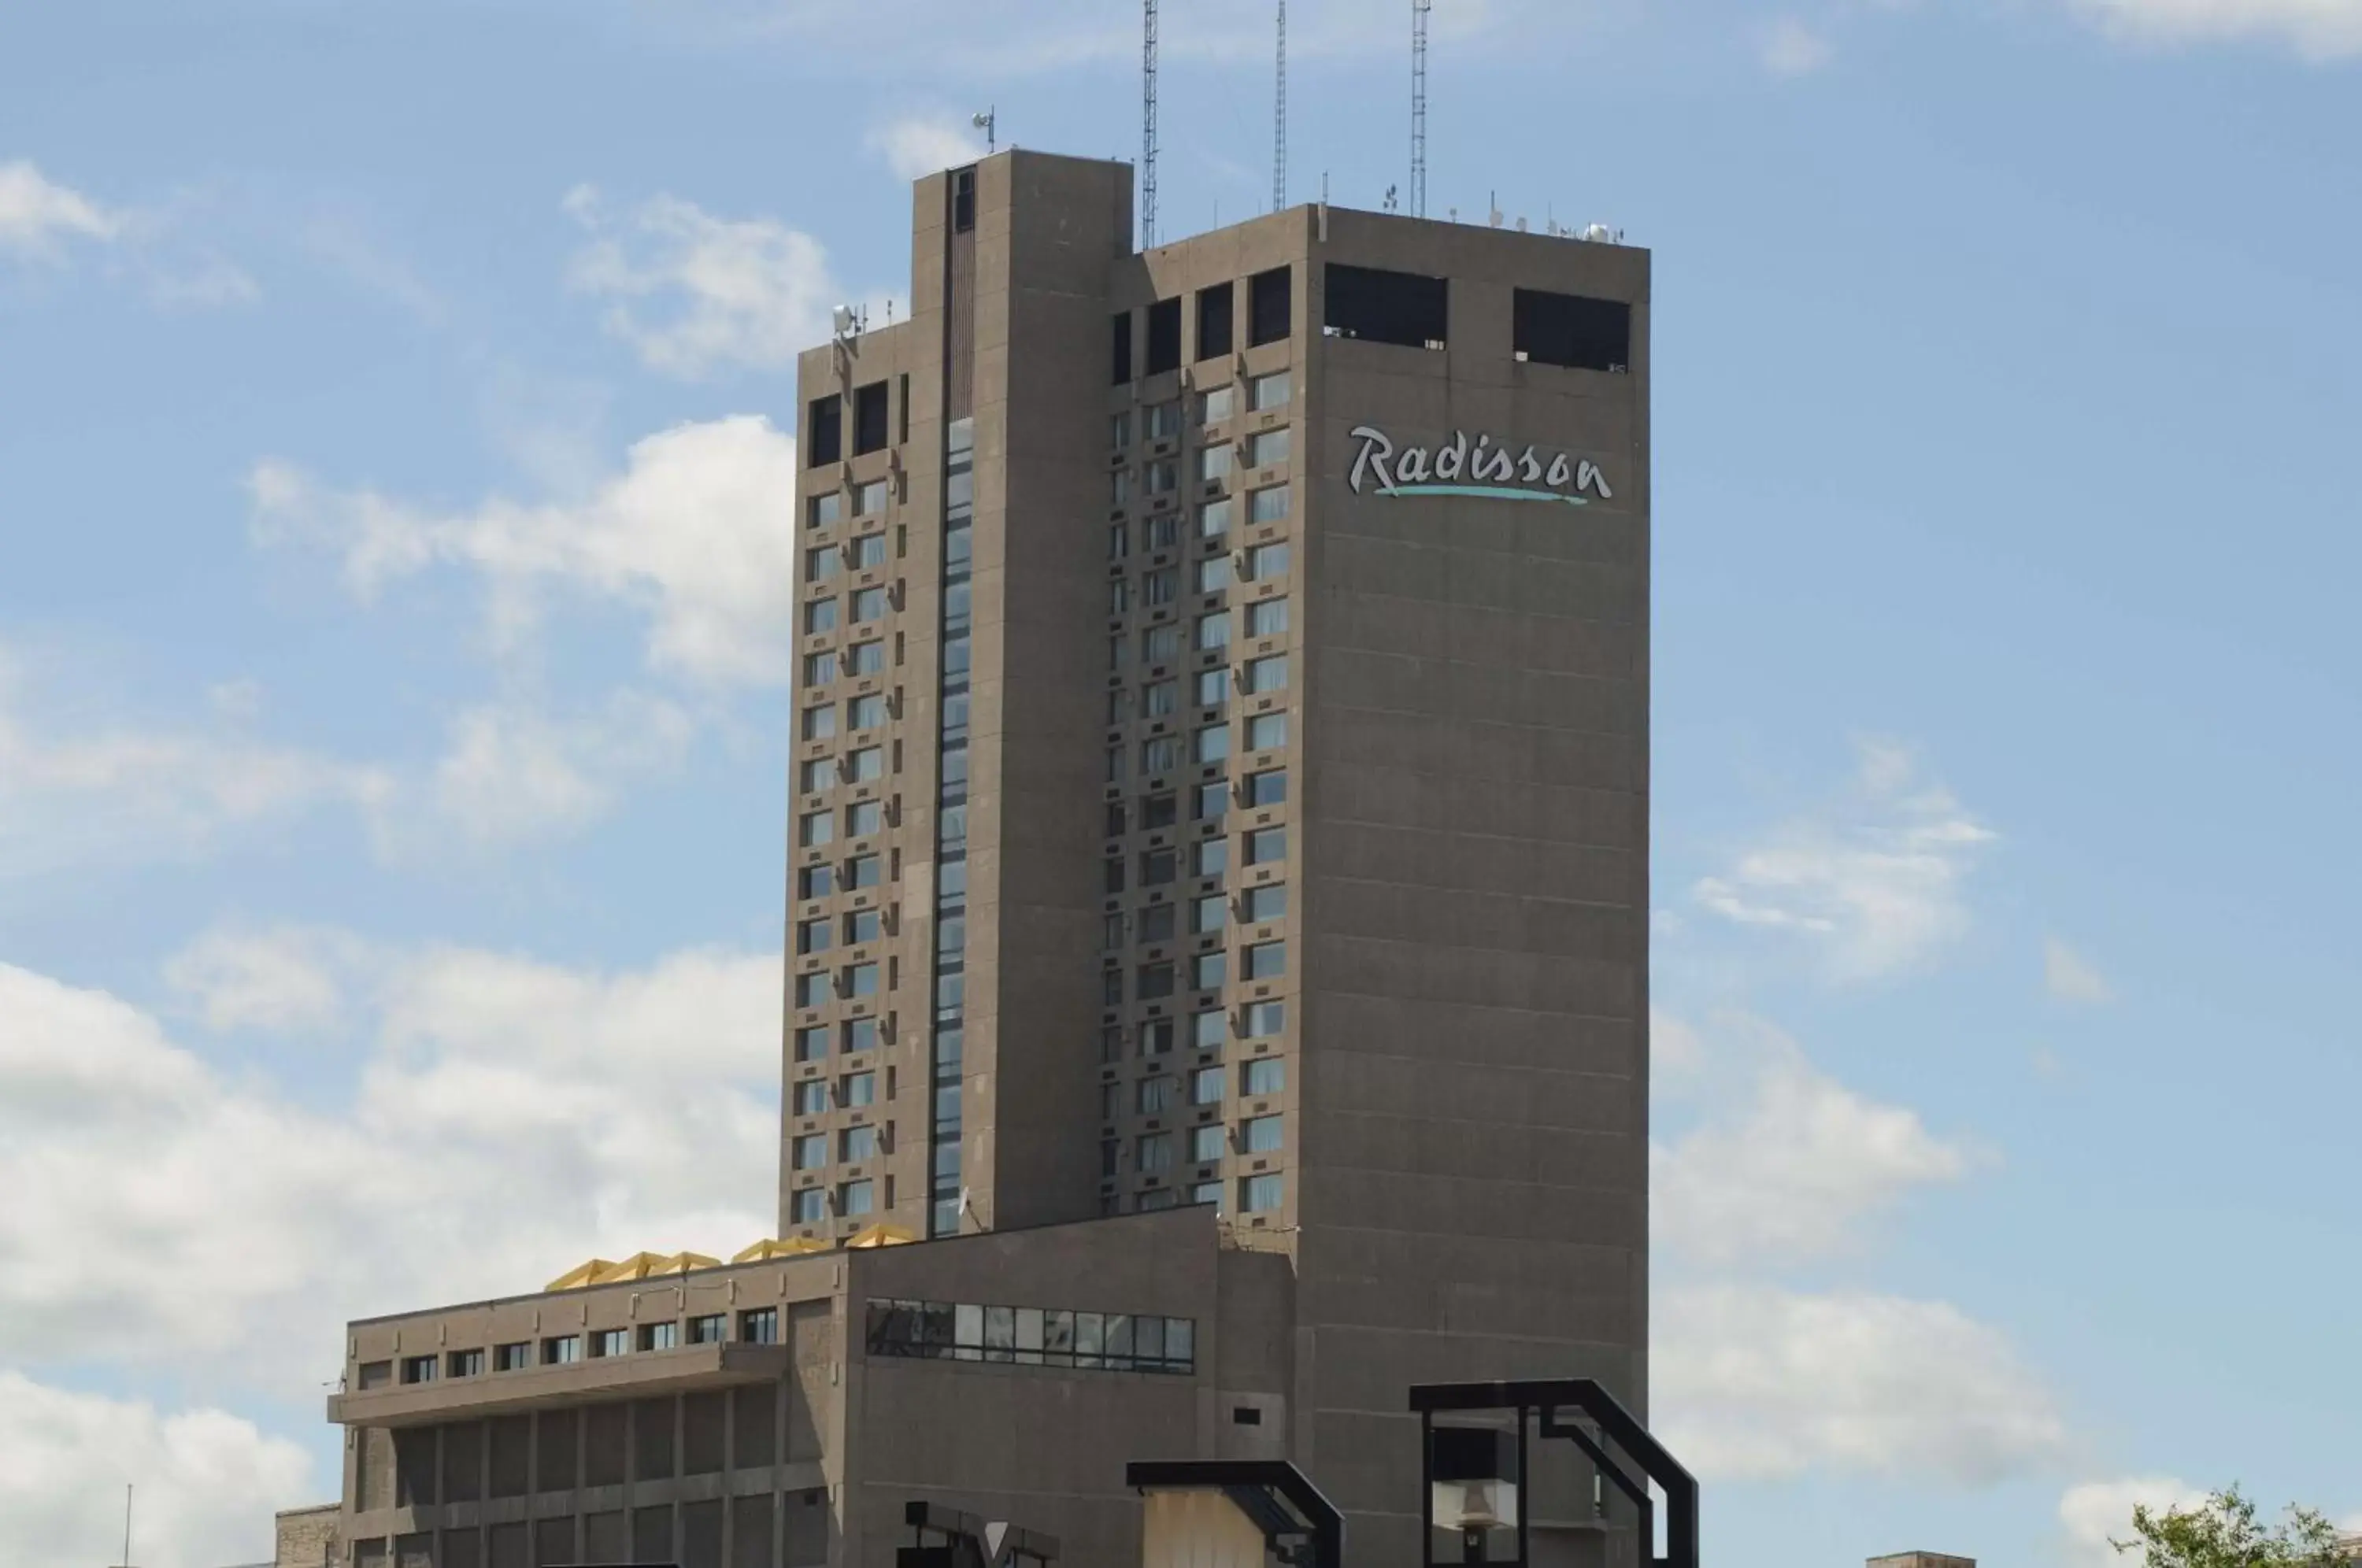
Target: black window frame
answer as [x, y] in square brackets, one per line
[824, 431]
[1377, 305]
[1164, 336]
[1270, 307]
[1217, 320]
[872, 418]
[1574, 332]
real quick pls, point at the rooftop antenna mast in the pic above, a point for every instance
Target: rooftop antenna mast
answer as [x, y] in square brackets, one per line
[1147, 124]
[1418, 10]
[1279, 123]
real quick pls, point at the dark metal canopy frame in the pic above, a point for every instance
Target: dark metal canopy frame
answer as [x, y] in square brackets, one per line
[1558, 1401]
[1304, 1529]
[965, 1540]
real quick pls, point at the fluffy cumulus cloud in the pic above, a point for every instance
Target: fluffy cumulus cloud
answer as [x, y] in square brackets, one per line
[919, 145]
[1757, 1382]
[1792, 1166]
[207, 1483]
[694, 294]
[697, 532]
[508, 1118]
[2094, 1513]
[511, 774]
[2319, 29]
[2068, 976]
[38, 216]
[1874, 887]
[1792, 48]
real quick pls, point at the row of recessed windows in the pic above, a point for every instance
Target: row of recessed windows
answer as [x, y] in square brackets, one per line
[1153, 1151]
[1214, 518]
[823, 432]
[1263, 618]
[1211, 575]
[1211, 465]
[823, 933]
[1160, 1094]
[862, 818]
[818, 721]
[849, 1200]
[1207, 916]
[1161, 420]
[865, 604]
[1032, 1336]
[1271, 312]
[822, 510]
[1208, 1029]
[851, 1036]
[863, 765]
[856, 659]
[758, 1326]
[853, 1091]
[815, 988]
[1261, 1193]
[1208, 972]
[822, 562]
[1206, 857]
[1210, 743]
[1209, 689]
[809, 1151]
[852, 875]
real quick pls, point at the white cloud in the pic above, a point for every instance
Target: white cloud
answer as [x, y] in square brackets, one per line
[1876, 888]
[745, 292]
[698, 532]
[1789, 48]
[207, 1481]
[2318, 30]
[282, 981]
[515, 773]
[507, 1119]
[37, 214]
[2069, 976]
[128, 791]
[1752, 1383]
[919, 145]
[1795, 1169]
[2095, 1512]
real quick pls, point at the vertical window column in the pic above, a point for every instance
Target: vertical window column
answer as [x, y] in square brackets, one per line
[951, 838]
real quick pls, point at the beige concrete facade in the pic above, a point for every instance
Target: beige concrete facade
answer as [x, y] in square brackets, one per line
[1217, 896]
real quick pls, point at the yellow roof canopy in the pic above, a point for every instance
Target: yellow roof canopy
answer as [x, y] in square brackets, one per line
[882, 1236]
[772, 1247]
[581, 1275]
[639, 1265]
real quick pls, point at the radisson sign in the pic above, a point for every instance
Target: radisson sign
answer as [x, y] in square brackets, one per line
[1457, 469]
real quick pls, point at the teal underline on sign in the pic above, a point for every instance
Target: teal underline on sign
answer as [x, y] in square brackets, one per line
[1489, 492]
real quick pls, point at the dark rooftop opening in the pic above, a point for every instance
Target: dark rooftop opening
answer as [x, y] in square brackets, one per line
[1214, 321]
[869, 418]
[1122, 347]
[1164, 336]
[1387, 307]
[1572, 330]
[824, 431]
[962, 200]
[1271, 312]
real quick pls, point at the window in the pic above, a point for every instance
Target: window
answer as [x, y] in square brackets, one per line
[706, 1330]
[1111, 876]
[1159, 586]
[820, 615]
[1265, 903]
[1157, 1037]
[1208, 1029]
[863, 817]
[815, 935]
[1267, 560]
[808, 1205]
[818, 773]
[1119, 430]
[1570, 330]
[819, 723]
[1214, 321]
[1267, 392]
[815, 881]
[868, 604]
[819, 669]
[1263, 960]
[1213, 463]
[466, 1364]
[860, 1034]
[1156, 811]
[1261, 1135]
[1266, 731]
[563, 1349]
[962, 200]
[1163, 476]
[1213, 743]
[760, 1326]
[812, 989]
[1267, 674]
[1266, 789]
[1160, 644]
[812, 1042]
[1267, 448]
[861, 871]
[1159, 1095]
[1164, 532]
[1379, 306]
[861, 980]
[1214, 519]
[1211, 856]
[869, 550]
[1111, 979]
[1268, 505]
[821, 511]
[1216, 405]
[1266, 617]
[854, 1199]
[866, 765]
[816, 828]
[1264, 1075]
[1155, 982]
[1165, 421]
[1160, 754]
[418, 1368]
[1156, 920]
[820, 565]
[869, 498]
[856, 1089]
[869, 418]
[1206, 1086]
[1213, 687]
[811, 1098]
[659, 1336]
[857, 1143]
[1266, 846]
[1213, 802]
[1207, 1192]
[1206, 1144]
[1207, 970]
[865, 712]
[1270, 308]
[1164, 336]
[1260, 1194]
[1119, 541]
[808, 1152]
[513, 1357]
[1213, 574]
[1208, 915]
[611, 1341]
[1118, 595]
[1119, 487]
[1155, 1152]
[1123, 323]
[824, 431]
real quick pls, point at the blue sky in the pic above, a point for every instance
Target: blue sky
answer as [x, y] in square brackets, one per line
[396, 430]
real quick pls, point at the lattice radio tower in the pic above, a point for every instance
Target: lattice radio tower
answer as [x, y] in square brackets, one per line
[1418, 9]
[1147, 124]
[1279, 123]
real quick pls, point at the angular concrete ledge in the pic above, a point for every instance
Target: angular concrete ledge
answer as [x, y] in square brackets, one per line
[679, 1371]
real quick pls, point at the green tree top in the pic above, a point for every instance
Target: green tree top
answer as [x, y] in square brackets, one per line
[2224, 1532]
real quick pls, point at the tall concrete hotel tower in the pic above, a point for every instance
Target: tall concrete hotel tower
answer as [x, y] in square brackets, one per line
[1216, 916]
